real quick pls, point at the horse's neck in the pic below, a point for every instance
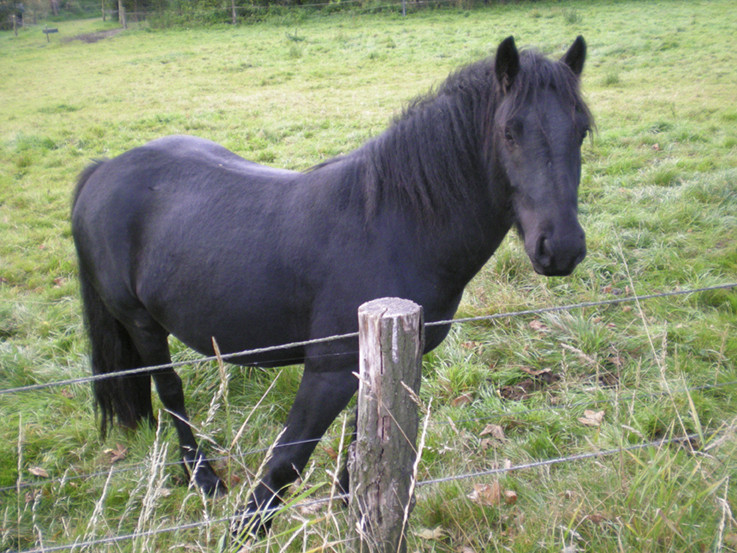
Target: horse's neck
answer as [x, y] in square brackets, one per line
[451, 243]
[463, 214]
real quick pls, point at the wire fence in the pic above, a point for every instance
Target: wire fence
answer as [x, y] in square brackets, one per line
[498, 415]
[243, 13]
[91, 543]
[352, 335]
[307, 505]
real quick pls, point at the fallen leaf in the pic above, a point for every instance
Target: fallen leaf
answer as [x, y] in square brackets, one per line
[463, 399]
[430, 534]
[311, 508]
[489, 495]
[331, 452]
[534, 372]
[615, 359]
[38, 471]
[596, 518]
[493, 430]
[472, 345]
[545, 374]
[731, 540]
[510, 497]
[591, 418]
[117, 454]
[234, 480]
[538, 326]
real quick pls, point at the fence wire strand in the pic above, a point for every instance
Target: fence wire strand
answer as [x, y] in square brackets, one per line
[422, 484]
[351, 335]
[261, 450]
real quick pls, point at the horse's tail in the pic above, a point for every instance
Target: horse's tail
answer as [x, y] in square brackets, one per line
[126, 398]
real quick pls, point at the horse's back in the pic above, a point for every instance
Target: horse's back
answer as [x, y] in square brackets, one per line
[203, 159]
[182, 230]
[175, 176]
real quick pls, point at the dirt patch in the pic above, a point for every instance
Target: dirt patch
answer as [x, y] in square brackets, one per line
[94, 37]
[539, 380]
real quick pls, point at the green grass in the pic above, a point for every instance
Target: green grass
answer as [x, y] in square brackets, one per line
[658, 202]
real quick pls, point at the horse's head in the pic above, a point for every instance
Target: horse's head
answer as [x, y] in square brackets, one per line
[539, 125]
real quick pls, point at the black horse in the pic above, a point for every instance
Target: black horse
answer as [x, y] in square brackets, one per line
[183, 237]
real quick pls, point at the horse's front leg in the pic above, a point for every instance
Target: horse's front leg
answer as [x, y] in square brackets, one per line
[320, 399]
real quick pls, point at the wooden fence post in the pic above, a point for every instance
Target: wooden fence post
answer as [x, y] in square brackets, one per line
[391, 340]
[121, 15]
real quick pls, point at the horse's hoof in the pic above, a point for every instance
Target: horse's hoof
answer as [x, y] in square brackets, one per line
[209, 482]
[248, 526]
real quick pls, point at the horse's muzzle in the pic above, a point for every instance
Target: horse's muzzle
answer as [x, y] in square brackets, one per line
[557, 257]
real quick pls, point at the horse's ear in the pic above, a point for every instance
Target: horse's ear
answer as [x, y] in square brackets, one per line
[576, 55]
[506, 65]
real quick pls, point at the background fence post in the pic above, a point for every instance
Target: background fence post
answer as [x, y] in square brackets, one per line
[391, 338]
[121, 15]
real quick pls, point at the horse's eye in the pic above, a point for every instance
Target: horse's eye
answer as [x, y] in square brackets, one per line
[508, 136]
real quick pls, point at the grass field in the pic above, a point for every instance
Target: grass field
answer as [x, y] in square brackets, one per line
[658, 202]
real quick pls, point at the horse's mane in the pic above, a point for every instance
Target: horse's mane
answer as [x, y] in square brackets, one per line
[430, 157]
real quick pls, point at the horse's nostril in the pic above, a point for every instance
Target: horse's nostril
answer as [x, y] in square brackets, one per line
[542, 251]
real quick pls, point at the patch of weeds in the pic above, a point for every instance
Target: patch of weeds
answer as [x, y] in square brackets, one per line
[295, 52]
[611, 78]
[374, 55]
[660, 127]
[26, 142]
[668, 44]
[266, 156]
[572, 16]
[59, 108]
[294, 36]
[725, 300]
[23, 161]
[238, 67]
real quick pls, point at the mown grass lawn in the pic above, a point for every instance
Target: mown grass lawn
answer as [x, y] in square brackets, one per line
[658, 202]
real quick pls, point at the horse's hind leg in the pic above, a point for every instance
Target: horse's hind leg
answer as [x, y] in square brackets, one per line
[126, 398]
[154, 350]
